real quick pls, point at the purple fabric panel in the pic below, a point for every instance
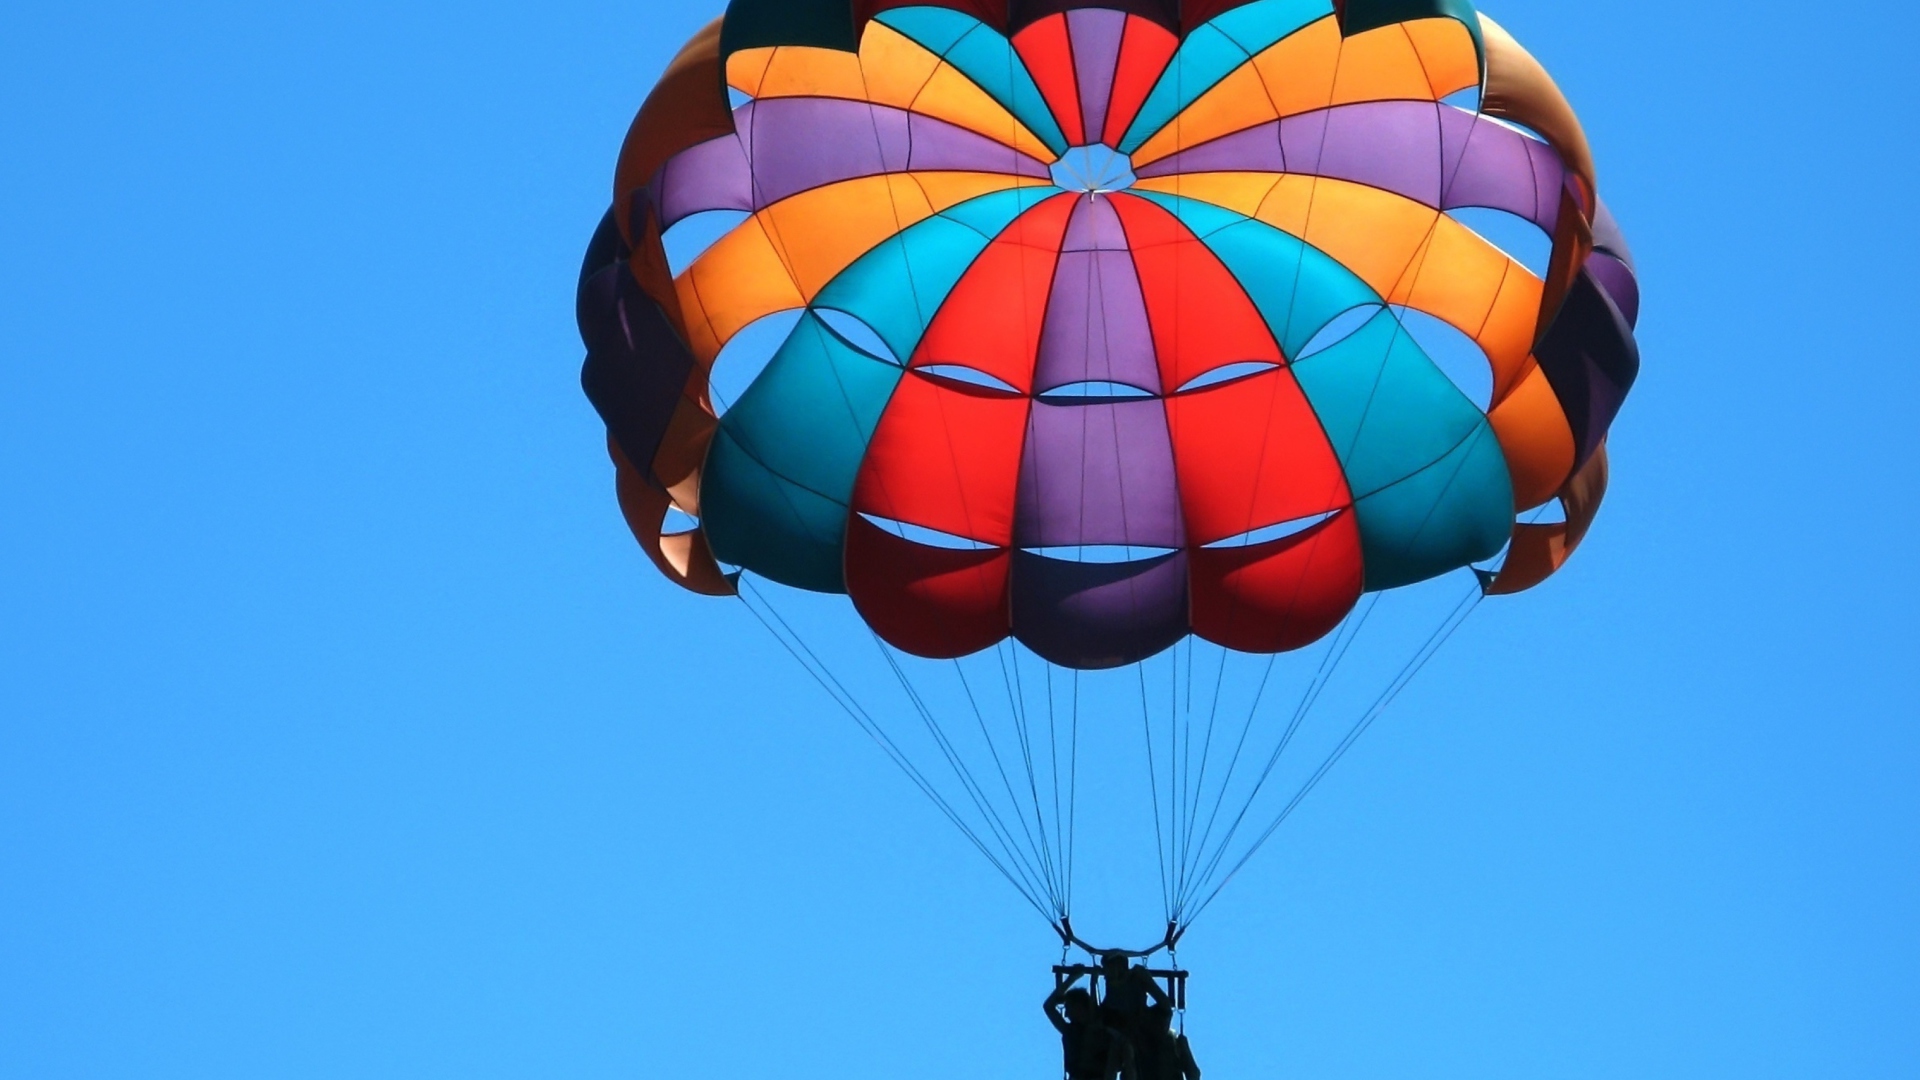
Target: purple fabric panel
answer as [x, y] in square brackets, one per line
[1417, 149]
[1616, 279]
[1256, 149]
[936, 144]
[795, 144]
[1393, 145]
[1095, 35]
[1096, 327]
[1607, 236]
[1098, 474]
[713, 175]
[1090, 616]
[1491, 166]
[1095, 226]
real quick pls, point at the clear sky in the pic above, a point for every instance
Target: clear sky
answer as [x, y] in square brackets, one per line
[344, 732]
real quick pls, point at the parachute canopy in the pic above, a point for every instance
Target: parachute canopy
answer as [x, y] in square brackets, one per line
[1105, 324]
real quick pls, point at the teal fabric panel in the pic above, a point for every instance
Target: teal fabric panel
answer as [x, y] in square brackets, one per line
[993, 65]
[752, 24]
[1456, 512]
[771, 526]
[898, 286]
[1206, 57]
[1297, 287]
[937, 29]
[1259, 26]
[780, 475]
[983, 55]
[1388, 411]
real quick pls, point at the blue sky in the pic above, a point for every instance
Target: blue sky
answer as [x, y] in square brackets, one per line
[345, 732]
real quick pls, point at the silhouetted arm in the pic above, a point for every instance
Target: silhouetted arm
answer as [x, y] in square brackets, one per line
[1052, 1006]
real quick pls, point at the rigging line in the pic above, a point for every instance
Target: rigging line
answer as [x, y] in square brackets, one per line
[879, 736]
[1014, 853]
[993, 750]
[1453, 622]
[1153, 784]
[1206, 754]
[1329, 664]
[1073, 783]
[1053, 765]
[1017, 702]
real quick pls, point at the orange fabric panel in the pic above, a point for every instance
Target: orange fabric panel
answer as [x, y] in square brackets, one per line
[1281, 595]
[687, 107]
[782, 257]
[804, 71]
[1474, 286]
[1537, 552]
[992, 319]
[1447, 53]
[1534, 438]
[747, 69]
[1250, 454]
[1049, 59]
[946, 456]
[821, 232]
[1299, 70]
[1380, 65]
[736, 281]
[1238, 102]
[927, 601]
[683, 449]
[891, 69]
[1519, 89]
[683, 557]
[1200, 316]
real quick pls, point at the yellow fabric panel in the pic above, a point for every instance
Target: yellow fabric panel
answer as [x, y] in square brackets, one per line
[1239, 102]
[1380, 65]
[1447, 53]
[1299, 69]
[897, 66]
[747, 68]
[1374, 233]
[802, 71]
[945, 189]
[735, 282]
[1535, 439]
[953, 97]
[1241, 192]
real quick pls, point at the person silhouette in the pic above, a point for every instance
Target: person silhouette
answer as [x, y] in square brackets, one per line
[1090, 1048]
[1164, 1053]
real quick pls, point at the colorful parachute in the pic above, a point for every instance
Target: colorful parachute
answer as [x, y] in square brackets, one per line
[1105, 324]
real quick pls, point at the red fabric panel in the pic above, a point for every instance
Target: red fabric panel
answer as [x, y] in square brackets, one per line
[1281, 595]
[1250, 454]
[1144, 52]
[946, 456]
[1049, 59]
[991, 321]
[1202, 319]
[928, 601]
